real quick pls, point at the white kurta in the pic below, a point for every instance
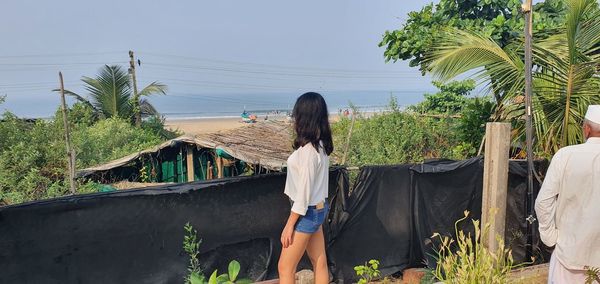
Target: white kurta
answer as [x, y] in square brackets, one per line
[307, 179]
[568, 206]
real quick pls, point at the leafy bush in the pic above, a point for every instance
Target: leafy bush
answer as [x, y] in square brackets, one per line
[156, 124]
[33, 162]
[466, 260]
[191, 246]
[470, 128]
[110, 139]
[395, 137]
[368, 272]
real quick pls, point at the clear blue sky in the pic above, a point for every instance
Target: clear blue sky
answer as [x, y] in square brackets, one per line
[215, 48]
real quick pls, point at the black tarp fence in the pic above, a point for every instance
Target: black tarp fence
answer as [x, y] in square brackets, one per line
[135, 236]
[393, 211]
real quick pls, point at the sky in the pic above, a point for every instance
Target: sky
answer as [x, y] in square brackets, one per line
[212, 52]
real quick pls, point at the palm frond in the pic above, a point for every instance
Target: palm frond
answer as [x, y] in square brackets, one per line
[457, 52]
[147, 109]
[152, 89]
[78, 97]
[110, 91]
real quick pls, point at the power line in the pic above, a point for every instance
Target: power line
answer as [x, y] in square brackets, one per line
[60, 54]
[266, 72]
[271, 66]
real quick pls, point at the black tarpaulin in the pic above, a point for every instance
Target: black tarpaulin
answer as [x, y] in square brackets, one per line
[376, 223]
[135, 236]
[393, 211]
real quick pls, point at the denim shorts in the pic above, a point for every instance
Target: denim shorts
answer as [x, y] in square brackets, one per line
[312, 220]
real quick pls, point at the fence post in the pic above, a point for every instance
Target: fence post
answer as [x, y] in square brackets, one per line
[495, 181]
[190, 163]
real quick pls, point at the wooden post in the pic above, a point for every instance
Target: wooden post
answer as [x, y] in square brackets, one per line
[136, 100]
[209, 170]
[495, 181]
[190, 163]
[219, 167]
[70, 151]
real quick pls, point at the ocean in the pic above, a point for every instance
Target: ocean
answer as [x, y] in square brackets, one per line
[189, 106]
[177, 105]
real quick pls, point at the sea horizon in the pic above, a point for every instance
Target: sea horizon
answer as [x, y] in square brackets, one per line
[198, 106]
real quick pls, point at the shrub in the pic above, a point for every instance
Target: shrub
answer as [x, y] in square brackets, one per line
[368, 272]
[395, 137]
[466, 260]
[33, 163]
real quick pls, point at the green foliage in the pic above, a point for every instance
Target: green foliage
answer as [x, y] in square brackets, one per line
[499, 19]
[368, 272]
[110, 139]
[470, 128]
[231, 276]
[467, 260]
[450, 99]
[191, 245]
[33, 163]
[565, 78]
[396, 137]
[156, 125]
[111, 95]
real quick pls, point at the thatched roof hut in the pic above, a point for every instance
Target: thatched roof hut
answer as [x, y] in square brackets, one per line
[263, 145]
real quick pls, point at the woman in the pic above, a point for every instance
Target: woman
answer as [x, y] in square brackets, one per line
[306, 186]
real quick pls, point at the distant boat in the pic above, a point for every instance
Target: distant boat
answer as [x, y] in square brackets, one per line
[248, 117]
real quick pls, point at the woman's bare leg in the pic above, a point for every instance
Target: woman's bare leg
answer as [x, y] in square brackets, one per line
[290, 256]
[316, 253]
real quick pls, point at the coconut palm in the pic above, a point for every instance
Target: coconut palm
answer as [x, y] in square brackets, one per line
[566, 77]
[111, 95]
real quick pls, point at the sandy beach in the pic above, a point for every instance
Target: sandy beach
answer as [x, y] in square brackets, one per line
[196, 126]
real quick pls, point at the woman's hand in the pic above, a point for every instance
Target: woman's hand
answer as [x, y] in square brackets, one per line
[287, 236]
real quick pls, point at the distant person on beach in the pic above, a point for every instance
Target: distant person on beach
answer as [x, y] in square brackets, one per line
[568, 206]
[307, 185]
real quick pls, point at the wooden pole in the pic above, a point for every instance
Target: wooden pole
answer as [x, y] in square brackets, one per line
[70, 151]
[190, 163]
[527, 11]
[136, 100]
[495, 181]
[219, 167]
[209, 170]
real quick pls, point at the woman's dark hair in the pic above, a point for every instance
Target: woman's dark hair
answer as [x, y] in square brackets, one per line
[311, 122]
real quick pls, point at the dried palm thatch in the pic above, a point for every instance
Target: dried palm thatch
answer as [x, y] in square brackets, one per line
[265, 143]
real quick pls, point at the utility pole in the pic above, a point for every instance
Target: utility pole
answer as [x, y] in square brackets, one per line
[70, 151]
[136, 100]
[528, 13]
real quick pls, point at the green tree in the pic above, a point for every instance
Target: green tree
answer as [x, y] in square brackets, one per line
[111, 95]
[450, 99]
[498, 19]
[566, 73]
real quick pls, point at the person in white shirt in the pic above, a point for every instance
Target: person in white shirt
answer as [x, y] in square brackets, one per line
[568, 206]
[307, 185]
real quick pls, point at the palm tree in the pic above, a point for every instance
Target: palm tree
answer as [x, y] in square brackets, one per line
[110, 94]
[566, 74]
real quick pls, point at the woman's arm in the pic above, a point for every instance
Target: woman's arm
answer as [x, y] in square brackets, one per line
[287, 236]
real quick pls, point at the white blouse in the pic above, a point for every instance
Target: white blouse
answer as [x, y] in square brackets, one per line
[307, 177]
